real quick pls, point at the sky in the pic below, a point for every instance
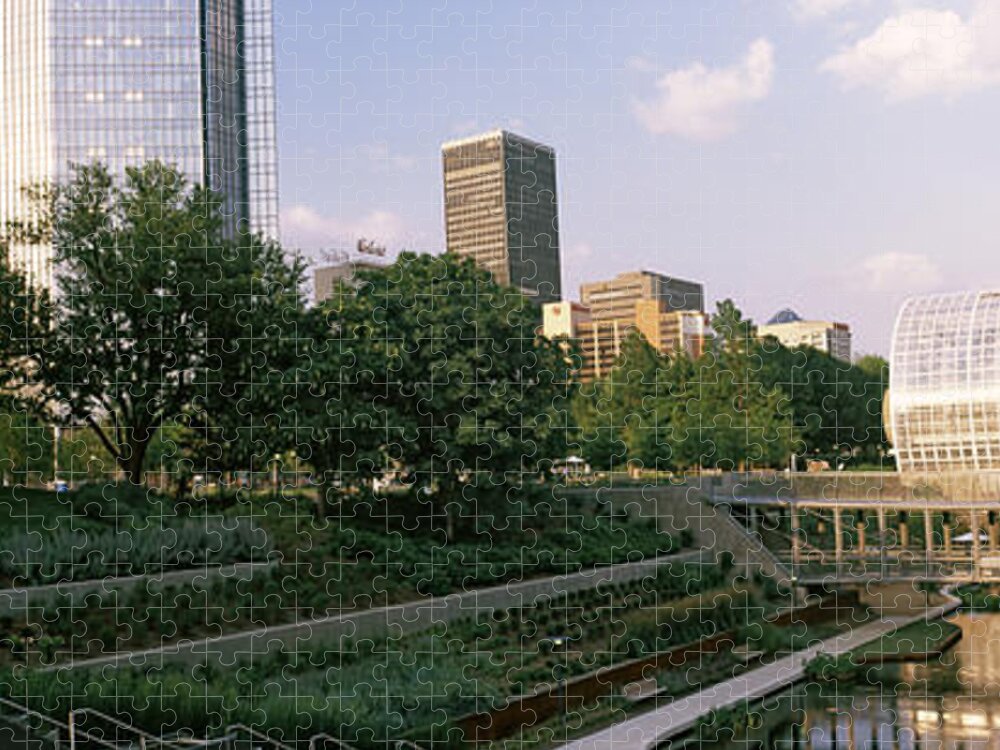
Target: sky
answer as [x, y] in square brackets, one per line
[833, 156]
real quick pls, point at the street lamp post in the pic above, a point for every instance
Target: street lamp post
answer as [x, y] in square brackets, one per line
[561, 642]
[56, 435]
[274, 475]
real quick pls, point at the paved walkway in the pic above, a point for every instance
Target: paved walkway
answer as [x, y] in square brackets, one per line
[680, 715]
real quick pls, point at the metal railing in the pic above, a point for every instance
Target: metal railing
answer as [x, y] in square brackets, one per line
[145, 739]
[138, 738]
[257, 735]
[326, 739]
[57, 727]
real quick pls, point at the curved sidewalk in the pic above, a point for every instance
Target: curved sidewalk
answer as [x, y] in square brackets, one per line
[647, 730]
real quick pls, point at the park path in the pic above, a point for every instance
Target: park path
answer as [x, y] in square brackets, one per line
[682, 714]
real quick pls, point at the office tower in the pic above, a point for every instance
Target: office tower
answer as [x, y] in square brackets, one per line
[501, 209]
[188, 82]
[616, 299]
[824, 335]
[599, 340]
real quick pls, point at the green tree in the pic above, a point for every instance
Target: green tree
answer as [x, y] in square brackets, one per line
[724, 414]
[25, 449]
[625, 417]
[836, 406]
[154, 302]
[430, 370]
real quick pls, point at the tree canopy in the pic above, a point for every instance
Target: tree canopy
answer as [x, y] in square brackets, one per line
[161, 318]
[431, 372]
[746, 402]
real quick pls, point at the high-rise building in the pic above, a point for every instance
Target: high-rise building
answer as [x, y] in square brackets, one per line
[616, 299]
[122, 82]
[501, 209]
[826, 336]
[599, 340]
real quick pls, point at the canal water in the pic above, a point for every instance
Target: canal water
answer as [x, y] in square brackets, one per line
[952, 704]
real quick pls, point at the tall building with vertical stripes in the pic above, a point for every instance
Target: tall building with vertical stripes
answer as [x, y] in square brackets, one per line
[501, 210]
[122, 82]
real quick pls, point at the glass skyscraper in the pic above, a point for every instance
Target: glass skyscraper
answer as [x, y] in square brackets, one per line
[188, 82]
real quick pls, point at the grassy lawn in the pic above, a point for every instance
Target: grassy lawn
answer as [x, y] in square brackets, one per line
[914, 641]
[919, 641]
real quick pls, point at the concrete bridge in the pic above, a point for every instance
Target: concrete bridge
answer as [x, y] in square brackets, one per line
[857, 528]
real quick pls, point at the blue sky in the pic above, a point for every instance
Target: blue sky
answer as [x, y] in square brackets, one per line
[834, 156]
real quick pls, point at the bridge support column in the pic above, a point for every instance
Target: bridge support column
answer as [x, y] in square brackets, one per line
[991, 531]
[880, 514]
[860, 527]
[976, 552]
[796, 540]
[947, 535]
[838, 539]
[928, 537]
[904, 530]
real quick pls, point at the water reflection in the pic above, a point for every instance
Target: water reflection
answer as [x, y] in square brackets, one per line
[953, 704]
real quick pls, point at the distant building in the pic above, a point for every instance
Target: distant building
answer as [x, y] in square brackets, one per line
[326, 278]
[501, 209]
[599, 342]
[617, 298]
[823, 335]
[944, 383]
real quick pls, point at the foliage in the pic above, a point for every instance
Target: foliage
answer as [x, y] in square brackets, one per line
[24, 319]
[430, 372]
[979, 598]
[364, 690]
[746, 402]
[670, 412]
[828, 668]
[69, 554]
[154, 301]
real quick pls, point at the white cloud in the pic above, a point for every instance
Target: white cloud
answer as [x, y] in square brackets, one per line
[704, 103]
[924, 52]
[898, 272]
[812, 9]
[304, 228]
[384, 161]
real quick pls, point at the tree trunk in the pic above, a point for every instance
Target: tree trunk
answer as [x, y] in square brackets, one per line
[132, 462]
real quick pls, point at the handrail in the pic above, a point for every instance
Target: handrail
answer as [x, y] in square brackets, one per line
[407, 745]
[59, 726]
[329, 738]
[143, 735]
[258, 735]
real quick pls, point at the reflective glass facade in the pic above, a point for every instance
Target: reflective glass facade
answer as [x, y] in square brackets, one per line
[189, 82]
[944, 390]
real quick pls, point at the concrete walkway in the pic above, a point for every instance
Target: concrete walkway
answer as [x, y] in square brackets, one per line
[647, 730]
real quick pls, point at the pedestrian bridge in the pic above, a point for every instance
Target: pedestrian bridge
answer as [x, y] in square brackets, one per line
[821, 540]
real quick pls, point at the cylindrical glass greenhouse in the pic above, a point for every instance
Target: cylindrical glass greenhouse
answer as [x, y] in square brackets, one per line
[944, 383]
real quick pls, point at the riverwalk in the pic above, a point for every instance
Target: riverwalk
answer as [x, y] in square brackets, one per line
[647, 730]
